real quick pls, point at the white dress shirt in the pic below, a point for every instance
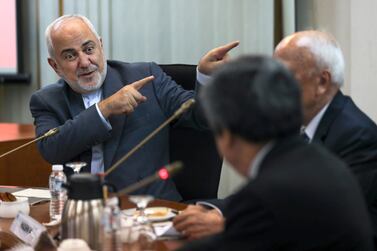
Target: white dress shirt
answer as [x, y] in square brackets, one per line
[311, 128]
[202, 78]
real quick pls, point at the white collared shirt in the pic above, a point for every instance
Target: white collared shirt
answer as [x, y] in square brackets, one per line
[311, 128]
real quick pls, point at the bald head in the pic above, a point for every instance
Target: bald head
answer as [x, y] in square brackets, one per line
[321, 47]
[317, 62]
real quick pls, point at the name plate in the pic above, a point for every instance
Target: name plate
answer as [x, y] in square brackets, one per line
[27, 229]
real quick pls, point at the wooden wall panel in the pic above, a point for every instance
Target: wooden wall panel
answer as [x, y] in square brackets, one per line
[25, 167]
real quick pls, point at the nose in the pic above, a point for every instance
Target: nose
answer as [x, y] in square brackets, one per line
[84, 60]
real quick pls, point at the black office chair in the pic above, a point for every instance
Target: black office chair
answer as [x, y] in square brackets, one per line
[201, 175]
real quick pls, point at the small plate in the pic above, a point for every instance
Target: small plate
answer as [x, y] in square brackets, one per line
[153, 213]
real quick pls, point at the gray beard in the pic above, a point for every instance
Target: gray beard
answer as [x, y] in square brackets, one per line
[99, 79]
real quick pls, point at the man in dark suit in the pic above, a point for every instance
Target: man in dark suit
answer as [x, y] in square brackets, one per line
[299, 196]
[104, 108]
[330, 118]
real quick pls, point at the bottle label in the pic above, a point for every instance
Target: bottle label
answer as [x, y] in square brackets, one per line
[57, 185]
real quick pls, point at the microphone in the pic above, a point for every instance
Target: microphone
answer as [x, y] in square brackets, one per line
[49, 133]
[184, 107]
[162, 174]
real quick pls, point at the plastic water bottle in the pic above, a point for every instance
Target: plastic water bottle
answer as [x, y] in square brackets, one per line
[111, 226]
[58, 193]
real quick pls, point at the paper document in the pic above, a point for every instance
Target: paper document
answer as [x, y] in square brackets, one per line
[165, 229]
[32, 192]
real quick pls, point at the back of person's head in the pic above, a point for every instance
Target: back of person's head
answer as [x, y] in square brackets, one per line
[325, 50]
[255, 98]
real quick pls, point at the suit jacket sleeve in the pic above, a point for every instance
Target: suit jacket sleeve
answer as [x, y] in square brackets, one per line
[220, 204]
[171, 96]
[78, 134]
[246, 215]
[356, 146]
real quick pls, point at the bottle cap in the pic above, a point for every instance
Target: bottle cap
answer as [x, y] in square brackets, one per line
[57, 167]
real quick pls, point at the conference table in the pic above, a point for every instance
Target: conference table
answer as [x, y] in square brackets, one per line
[40, 212]
[20, 168]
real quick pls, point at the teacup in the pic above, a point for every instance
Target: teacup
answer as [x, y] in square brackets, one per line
[10, 209]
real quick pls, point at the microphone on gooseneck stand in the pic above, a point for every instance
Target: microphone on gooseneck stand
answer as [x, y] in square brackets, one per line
[162, 174]
[49, 133]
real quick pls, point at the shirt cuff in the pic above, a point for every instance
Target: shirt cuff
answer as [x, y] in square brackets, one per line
[209, 205]
[202, 78]
[107, 124]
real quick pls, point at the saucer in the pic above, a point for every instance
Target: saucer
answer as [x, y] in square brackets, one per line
[153, 213]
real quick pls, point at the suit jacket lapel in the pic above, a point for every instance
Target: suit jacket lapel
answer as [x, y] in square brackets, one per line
[111, 85]
[76, 105]
[331, 113]
[75, 102]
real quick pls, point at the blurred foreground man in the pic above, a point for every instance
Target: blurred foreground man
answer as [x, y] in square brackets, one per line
[299, 196]
[105, 108]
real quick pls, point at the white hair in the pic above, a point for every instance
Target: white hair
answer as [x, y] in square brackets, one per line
[326, 51]
[57, 22]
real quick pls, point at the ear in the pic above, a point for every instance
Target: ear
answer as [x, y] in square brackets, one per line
[225, 141]
[324, 82]
[54, 65]
[226, 136]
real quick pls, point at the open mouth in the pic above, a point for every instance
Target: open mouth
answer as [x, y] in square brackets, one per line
[87, 74]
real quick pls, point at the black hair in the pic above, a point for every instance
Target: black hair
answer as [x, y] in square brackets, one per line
[254, 97]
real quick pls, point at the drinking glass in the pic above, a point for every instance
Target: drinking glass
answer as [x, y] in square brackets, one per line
[76, 166]
[142, 229]
[141, 202]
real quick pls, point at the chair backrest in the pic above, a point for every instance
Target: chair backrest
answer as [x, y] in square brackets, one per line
[201, 175]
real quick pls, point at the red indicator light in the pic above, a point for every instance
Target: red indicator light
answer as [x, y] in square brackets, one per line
[163, 173]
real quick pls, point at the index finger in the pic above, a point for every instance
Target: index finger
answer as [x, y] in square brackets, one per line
[223, 50]
[140, 83]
